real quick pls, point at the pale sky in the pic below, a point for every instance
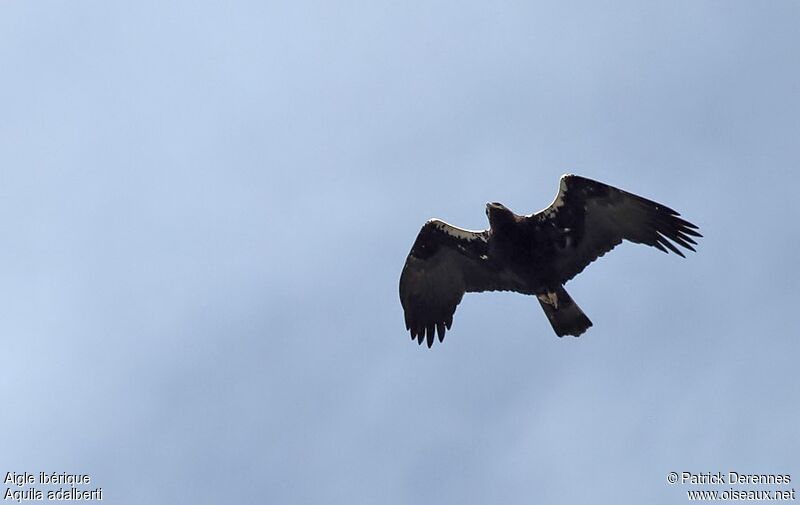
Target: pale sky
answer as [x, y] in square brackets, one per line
[205, 208]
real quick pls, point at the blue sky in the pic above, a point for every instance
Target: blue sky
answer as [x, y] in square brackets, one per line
[205, 208]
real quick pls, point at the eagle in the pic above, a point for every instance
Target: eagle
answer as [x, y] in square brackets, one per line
[533, 255]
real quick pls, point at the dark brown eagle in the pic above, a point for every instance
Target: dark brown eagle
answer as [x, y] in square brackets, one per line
[532, 255]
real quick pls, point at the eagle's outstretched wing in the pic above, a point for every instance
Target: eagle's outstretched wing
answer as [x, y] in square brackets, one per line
[444, 263]
[588, 218]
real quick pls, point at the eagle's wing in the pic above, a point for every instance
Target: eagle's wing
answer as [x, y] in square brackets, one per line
[588, 218]
[444, 263]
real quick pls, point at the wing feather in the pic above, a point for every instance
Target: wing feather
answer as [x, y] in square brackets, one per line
[588, 218]
[444, 263]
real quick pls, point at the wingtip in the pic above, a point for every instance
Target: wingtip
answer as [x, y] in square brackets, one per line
[440, 330]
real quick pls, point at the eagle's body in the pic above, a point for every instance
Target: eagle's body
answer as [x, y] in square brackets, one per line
[532, 255]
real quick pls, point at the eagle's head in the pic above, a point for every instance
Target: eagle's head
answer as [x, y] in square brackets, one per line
[499, 215]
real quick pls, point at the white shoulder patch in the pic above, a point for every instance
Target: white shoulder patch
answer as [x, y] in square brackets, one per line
[459, 233]
[559, 200]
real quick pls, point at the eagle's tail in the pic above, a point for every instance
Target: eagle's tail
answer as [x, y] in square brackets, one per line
[563, 313]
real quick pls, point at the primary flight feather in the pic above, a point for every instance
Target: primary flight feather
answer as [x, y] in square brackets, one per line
[532, 255]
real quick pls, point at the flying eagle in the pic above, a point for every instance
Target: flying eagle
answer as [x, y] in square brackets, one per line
[532, 255]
